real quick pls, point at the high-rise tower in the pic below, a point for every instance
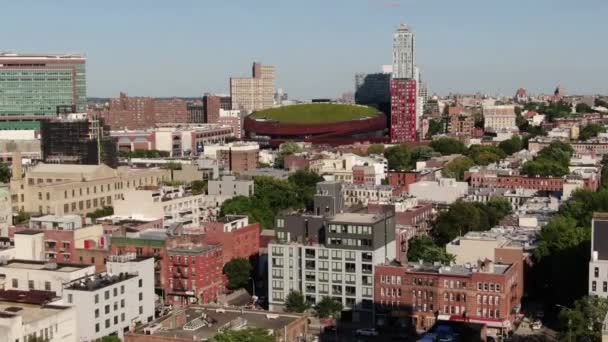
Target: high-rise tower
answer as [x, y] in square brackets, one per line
[404, 88]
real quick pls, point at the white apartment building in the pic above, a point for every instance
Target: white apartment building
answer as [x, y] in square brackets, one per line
[174, 204]
[341, 268]
[25, 275]
[598, 265]
[185, 139]
[360, 194]
[442, 191]
[20, 322]
[230, 186]
[499, 118]
[341, 167]
[113, 302]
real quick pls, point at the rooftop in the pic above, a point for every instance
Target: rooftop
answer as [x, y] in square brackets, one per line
[30, 305]
[44, 266]
[203, 322]
[462, 270]
[193, 249]
[362, 218]
[315, 113]
[98, 281]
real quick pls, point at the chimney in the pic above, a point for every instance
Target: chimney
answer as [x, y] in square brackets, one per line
[17, 168]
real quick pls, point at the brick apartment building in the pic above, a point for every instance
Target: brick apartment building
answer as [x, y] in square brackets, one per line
[487, 292]
[403, 179]
[238, 238]
[193, 274]
[127, 112]
[212, 105]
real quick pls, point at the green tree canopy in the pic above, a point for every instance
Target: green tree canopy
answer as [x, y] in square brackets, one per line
[398, 157]
[551, 161]
[447, 146]
[583, 108]
[457, 167]
[583, 322]
[376, 149]
[295, 302]
[512, 145]
[198, 187]
[485, 154]
[305, 186]
[424, 248]
[238, 271]
[257, 212]
[422, 153]
[284, 150]
[245, 335]
[591, 131]
[328, 307]
[5, 173]
[435, 127]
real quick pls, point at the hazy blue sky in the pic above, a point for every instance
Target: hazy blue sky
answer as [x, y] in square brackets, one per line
[183, 48]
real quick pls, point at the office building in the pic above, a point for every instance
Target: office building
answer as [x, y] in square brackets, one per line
[112, 303]
[34, 87]
[238, 157]
[78, 140]
[212, 104]
[196, 112]
[253, 93]
[29, 316]
[374, 90]
[230, 186]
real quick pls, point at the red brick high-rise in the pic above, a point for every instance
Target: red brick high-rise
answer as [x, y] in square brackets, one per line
[403, 110]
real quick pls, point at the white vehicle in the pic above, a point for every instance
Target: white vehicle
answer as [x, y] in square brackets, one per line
[367, 332]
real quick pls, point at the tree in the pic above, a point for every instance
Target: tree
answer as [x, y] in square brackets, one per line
[398, 157]
[258, 212]
[447, 146]
[510, 146]
[22, 217]
[457, 167]
[5, 173]
[295, 302]
[591, 131]
[328, 307]
[245, 335]
[422, 153]
[435, 127]
[485, 154]
[105, 211]
[376, 149]
[423, 248]
[284, 150]
[238, 271]
[198, 187]
[551, 161]
[583, 108]
[585, 320]
[305, 185]
[110, 339]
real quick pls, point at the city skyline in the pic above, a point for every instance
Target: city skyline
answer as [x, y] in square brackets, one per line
[316, 47]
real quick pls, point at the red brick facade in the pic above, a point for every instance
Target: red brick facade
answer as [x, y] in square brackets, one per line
[403, 110]
[403, 179]
[240, 243]
[423, 292]
[514, 182]
[193, 275]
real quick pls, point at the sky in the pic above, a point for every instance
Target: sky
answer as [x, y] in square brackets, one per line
[186, 48]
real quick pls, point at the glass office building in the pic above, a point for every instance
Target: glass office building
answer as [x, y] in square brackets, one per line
[40, 85]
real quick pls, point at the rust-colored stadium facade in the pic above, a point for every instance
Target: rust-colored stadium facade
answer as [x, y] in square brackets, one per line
[273, 133]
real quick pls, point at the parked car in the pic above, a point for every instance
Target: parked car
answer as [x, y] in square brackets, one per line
[367, 332]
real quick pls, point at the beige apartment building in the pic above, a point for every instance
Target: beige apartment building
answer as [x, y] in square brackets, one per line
[499, 118]
[61, 189]
[255, 93]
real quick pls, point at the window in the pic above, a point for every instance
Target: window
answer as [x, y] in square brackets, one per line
[106, 295]
[605, 286]
[141, 296]
[593, 286]
[107, 309]
[122, 303]
[96, 299]
[141, 283]
[47, 286]
[596, 272]
[141, 310]
[115, 320]
[115, 306]
[122, 289]
[96, 327]
[122, 317]
[96, 313]
[115, 291]
[70, 298]
[30, 284]
[107, 323]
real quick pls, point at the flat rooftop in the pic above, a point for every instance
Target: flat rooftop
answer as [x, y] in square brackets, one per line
[30, 313]
[44, 266]
[361, 218]
[252, 319]
[98, 281]
[193, 249]
[462, 270]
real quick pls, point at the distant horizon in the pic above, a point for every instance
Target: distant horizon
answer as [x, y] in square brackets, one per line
[187, 48]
